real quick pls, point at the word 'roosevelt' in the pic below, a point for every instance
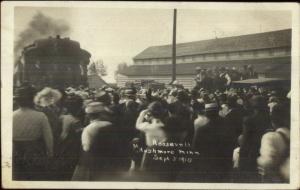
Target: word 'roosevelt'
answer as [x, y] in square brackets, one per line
[170, 144]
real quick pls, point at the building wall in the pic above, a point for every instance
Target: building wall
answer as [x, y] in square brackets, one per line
[241, 55]
[186, 80]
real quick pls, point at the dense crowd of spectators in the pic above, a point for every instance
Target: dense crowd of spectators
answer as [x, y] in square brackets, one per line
[216, 135]
[221, 78]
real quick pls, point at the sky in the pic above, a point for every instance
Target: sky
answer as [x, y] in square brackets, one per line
[116, 35]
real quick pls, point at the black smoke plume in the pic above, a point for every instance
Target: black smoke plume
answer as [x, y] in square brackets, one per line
[40, 26]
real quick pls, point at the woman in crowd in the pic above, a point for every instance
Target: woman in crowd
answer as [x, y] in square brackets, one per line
[45, 101]
[274, 158]
[70, 137]
[168, 164]
[169, 116]
[150, 122]
[32, 138]
[254, 126]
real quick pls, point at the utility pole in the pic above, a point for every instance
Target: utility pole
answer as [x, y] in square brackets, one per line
[174, 47]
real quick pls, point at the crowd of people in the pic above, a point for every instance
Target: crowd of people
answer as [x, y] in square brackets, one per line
[172, 134]
[220, 78]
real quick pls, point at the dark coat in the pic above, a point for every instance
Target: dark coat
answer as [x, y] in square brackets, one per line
[104, 161]
[208, 141]
[234, 125]
[68, 153]
[29, 160]
[254, 127]
[129, 114]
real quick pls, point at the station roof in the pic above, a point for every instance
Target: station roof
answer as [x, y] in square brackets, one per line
[266, 40]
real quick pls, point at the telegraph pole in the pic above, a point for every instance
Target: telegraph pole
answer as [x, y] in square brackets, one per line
[174, 47]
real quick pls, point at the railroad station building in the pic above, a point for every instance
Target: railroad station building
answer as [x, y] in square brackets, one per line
[269, 53]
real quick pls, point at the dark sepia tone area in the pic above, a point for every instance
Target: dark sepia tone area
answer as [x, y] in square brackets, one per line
[203, 99]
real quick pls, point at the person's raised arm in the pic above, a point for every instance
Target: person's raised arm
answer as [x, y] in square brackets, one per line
[140, 124]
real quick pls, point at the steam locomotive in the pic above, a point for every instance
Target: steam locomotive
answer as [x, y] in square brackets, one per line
[55, 62]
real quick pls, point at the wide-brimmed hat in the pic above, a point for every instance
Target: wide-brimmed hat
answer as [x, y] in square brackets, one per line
[97, 107]
[50, 95]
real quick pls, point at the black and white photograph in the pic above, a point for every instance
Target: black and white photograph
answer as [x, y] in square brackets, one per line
[133, 93]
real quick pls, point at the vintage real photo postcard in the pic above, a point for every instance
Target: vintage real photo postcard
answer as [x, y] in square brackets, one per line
[150, 95]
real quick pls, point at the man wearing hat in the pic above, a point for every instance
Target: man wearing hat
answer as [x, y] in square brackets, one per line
[224, 78]
[129, 113]
[208, 141]
[103, 97]
[129, 94]
[254, 126]
[100, 146]
[99, 116]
